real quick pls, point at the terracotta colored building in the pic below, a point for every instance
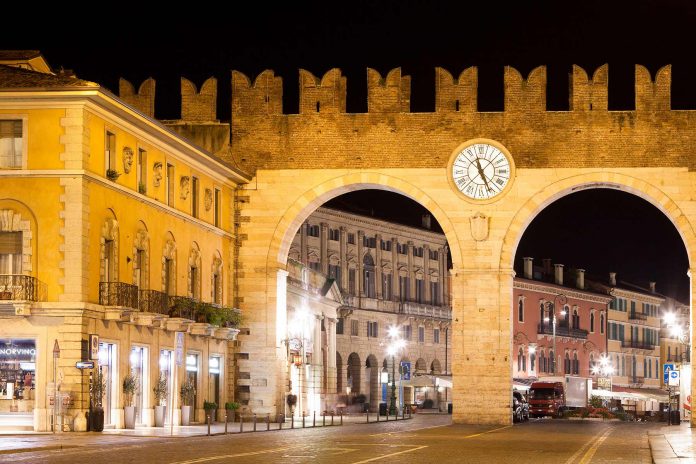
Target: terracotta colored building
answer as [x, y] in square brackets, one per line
[580, 333]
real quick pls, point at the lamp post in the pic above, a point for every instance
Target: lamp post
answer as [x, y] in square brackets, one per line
[552, 308]
[395, 345]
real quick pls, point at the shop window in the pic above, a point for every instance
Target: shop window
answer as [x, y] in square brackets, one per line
[139, 369]
[11, 144]
[214, 378]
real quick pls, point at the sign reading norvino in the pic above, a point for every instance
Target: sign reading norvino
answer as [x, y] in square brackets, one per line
[14, 351]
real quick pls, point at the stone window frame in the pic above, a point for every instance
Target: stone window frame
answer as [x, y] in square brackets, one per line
[11, 221]
[141, 242]
[109, 232]
[25, 137]
[194, 262]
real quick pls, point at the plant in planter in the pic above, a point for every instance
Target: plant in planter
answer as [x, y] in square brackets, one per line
[130, 386]
[112, 174]
[210, 407]
[291, 400]
[96, 414]
[231, 406]
[187, 393]
[160, 390]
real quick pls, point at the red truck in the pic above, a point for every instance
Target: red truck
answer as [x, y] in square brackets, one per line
[546, 399]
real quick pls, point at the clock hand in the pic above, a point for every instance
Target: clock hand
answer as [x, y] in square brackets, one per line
[480, 170]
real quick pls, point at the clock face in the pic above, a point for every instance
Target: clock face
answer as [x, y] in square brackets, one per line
[481, 171]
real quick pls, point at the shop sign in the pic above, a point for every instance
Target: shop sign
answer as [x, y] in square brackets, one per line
[604, 383]
[93, 346]
[15, 352]
[85, 364]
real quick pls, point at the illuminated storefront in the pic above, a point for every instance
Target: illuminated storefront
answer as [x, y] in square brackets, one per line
[17, 381]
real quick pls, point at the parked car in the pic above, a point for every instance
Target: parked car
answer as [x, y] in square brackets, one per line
[520, 407]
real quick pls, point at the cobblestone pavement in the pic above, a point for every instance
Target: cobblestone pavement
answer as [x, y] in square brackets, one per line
[422, 440]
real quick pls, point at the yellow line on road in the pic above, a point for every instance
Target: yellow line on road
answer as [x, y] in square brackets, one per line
[487, 431]
[593, 449]
[250, 453]
[377, 458]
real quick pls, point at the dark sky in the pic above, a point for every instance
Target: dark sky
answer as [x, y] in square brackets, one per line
[198, 42]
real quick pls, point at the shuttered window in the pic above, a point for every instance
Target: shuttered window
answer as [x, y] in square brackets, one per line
[11, 144]
[10, 252]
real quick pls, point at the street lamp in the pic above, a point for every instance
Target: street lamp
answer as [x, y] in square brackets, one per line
[395, 345]
[552, 308]
[296, 341]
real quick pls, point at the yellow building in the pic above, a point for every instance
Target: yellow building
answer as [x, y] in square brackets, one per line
[112, 226]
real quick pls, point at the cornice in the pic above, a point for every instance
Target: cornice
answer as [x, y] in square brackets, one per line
[568, 292]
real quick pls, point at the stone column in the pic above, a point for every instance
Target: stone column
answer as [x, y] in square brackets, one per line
[378, 266]
[331, 355]
[324, 247]
[359, 277]
[303, 244]
[445, 277]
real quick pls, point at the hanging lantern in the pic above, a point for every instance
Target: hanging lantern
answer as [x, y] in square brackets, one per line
[297, 359]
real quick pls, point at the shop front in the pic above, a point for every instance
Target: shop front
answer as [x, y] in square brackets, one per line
[18, 358]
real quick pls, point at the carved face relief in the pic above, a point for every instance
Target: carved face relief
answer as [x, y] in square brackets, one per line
[208, 199]
[184, 184]
[127, 159]
[157, 174]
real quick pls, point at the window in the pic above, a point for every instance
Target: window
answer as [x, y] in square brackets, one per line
[386, 245]
[313, 231]
[591, 322]
[351, 281]
[354, 328]
[601, 323]
[110, 151]
[421, 334]
[418, 251]
[138, 265]
[386, 286]
[335, 273]
[315, 266]
[420, 290]
[109, 258]
[566, 364]
[404, 289]
[140, 173]
[436, 335]
[217, 290]
[194, 196]
[369, 242]
[193, 282]
[372, 330]
[170, 184]
[633, 307]
[406, 332]
[435, 293]
[11, 144]
[402, 248]
[369, 276]
[334, 234]
[10, 252]
[576, 364]
[520, 310]
[433, 254]
[168, 276]
[576, 319]
[216, 207]
[351, 239]
[532, 362]
[339, 326]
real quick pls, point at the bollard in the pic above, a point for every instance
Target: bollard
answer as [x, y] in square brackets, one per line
[292, 420]
[332, 414]
[341, 417]
[323, 419]
[225, 421]
[377, 416]
[268, 422]
[241, 422]
[281, 419]
[314, 419]
[254, 422]
[367, 416]
[403, 414]
[303, 417]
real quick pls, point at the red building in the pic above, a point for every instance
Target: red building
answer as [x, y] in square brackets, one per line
[548, 292]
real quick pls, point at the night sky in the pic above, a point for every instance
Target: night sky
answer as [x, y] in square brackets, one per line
[597, 230]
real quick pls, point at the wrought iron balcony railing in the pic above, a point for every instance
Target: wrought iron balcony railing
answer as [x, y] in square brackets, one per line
[562, 331]
[153, 301]
[182, 306]
[16, 287]
[637, 316]
[637, 344]
[118, 294]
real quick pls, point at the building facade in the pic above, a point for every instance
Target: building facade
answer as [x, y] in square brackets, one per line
[390, 275]
[113, 231]
[579, 339]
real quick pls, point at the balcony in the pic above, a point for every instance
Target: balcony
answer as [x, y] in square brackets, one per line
[182, 306]
[637, 344]
[118, 294]
[422, 310]
[198, 311]
[408, 307]
[562, 331]
[637, 316]
[152, 301]
[15, 287]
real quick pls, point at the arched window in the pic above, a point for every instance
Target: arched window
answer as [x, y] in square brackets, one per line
[520, 356]
[520, 310]
[566, 363]
[576, 364]
[194, 272]
[591, 363]
[532, 361]
[591, 322]
[541, 316]
[576, 319]
[566, 318]
[601, 323]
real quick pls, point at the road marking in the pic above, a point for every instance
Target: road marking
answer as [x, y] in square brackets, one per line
[593, 449]
[592, 444]
[377, 458]
[487, 431]
[224, 456]
[408, 430]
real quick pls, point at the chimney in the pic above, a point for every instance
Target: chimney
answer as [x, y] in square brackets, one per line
[652, 287]
[546, 266]
[612, 278]
[580, 278]
[558, 273]
[425, 221]
[528, 268]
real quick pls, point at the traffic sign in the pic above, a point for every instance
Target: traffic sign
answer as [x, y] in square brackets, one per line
[673, 378]
[85, 364]
[56, 350]
[666, 368]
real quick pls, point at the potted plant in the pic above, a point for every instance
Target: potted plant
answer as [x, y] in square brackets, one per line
[130, 385]
[112, 174]
[160, 390]
[187, 392]
[96, 414]
[210, 407]
[231, 406]
[291, 400]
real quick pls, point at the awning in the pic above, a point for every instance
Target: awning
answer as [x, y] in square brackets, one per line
[654, 394]
[420, 381]
[443, 381]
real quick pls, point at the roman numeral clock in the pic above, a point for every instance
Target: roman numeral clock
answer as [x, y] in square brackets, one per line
[481, 170]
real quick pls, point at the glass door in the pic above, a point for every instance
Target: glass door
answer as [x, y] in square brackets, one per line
[214, 371]
[166, 364]
[107, 365]
[139, 369]
[192, 376]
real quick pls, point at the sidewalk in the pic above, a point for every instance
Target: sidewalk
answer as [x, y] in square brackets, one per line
[673, 444]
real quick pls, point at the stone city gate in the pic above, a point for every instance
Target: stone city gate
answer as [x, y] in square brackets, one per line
[302, 160]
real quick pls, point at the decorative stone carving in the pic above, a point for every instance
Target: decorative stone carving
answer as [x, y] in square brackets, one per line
[127, 159]
[157, 174]
[185, 187]
[208, 199]
[479, 227]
